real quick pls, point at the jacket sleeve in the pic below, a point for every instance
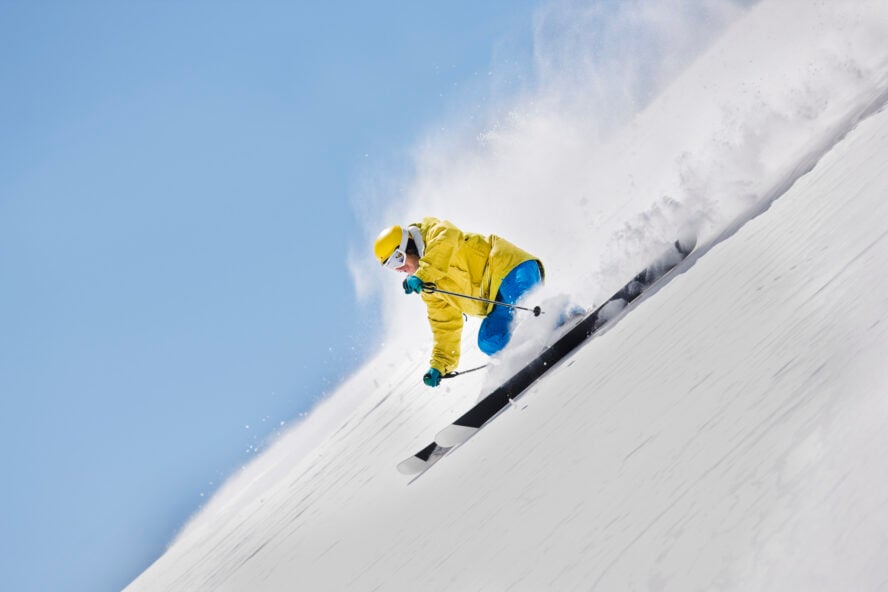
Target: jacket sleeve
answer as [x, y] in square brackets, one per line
[441, 242]
[446, 322]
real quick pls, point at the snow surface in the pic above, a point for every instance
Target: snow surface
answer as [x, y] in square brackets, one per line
[728, 432]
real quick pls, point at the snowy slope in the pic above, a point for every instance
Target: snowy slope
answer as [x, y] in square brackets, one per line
[729, 432]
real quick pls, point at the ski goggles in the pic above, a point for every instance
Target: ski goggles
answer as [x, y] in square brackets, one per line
[396, 260]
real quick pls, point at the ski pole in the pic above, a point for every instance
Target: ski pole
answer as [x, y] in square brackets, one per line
[456, 373]
[431, 287]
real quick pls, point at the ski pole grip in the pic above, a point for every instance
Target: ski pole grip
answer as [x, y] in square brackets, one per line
[429, 286]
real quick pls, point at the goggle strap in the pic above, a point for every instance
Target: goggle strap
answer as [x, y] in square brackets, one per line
[416, 235]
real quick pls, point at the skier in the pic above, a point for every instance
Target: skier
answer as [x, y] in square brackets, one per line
[464, 263]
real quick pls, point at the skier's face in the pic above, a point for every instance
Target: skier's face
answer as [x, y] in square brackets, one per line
[411, 264]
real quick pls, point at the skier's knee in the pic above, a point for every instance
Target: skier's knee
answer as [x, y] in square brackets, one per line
[492, 344]
[492, 338]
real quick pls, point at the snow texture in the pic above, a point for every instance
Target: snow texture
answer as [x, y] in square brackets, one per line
[728, 432]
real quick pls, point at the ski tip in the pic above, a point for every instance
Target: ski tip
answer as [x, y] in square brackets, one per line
[422, 460]
[454, 435]
[413, 466]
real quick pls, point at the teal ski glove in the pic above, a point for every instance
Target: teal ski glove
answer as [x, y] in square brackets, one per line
[432, 377]
[412, 284]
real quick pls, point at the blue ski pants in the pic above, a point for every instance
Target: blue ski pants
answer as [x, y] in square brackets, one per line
[496, 329]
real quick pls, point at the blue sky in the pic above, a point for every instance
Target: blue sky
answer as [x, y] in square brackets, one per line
[176, 182]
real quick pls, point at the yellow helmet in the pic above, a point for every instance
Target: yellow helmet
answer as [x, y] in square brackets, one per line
[387, 241]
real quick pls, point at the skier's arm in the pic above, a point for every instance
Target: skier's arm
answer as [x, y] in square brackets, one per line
[446, 322]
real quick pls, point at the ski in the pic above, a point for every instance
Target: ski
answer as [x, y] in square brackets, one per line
[490, 406]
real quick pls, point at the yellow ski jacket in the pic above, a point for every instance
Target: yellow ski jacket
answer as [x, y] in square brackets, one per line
[465, 263]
